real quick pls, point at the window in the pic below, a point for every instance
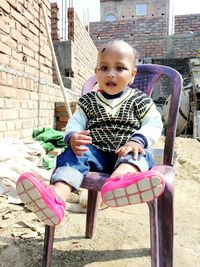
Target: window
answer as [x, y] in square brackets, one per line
[141, 9]
[110, 18]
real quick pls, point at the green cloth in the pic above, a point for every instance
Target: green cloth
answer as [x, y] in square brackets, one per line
[49, 138]
[47, 146]
[49, 162]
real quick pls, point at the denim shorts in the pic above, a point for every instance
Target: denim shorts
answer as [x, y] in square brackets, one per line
[72, 169]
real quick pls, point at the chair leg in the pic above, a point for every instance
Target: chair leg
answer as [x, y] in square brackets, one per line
[165, 218]
[91, 216]
[48, 245]
[154, 233]
[166, 227]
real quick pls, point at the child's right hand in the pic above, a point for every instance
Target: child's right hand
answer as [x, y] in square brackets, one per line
[78, 141]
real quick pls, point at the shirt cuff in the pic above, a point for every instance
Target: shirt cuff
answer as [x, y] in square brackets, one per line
[68, 136]
[140, 139]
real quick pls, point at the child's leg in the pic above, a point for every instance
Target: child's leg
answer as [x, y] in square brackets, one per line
[132, 183]
[123, 169]
[63, 190]
[48, 201]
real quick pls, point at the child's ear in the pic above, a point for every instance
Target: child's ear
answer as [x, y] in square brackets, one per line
[134, 72]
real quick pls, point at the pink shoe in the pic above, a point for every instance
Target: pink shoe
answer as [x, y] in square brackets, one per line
[41, 199]
[133, 189]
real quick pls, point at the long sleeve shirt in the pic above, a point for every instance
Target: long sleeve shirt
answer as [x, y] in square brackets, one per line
[114, 120]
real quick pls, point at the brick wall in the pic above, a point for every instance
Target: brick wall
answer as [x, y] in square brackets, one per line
[84, 51]
[55, 29]
[77, 55]
[27, 94]
[185, 24]
[186, 40]
[186, 45]
[149, 36]
[76, 58]
[127, 8]
[55, 32]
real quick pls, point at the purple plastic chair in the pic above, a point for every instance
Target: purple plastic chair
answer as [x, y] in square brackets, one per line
[161, 210]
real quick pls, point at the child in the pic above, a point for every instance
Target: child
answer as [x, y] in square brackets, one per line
[109, 132]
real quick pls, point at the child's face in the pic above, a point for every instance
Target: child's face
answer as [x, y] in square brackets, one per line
[115, 68]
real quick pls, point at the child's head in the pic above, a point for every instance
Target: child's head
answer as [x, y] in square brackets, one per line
[115, 66]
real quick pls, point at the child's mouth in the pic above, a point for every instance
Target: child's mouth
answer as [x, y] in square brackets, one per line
[111, 84]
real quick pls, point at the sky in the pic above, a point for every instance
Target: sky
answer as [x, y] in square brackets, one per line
[89, 10]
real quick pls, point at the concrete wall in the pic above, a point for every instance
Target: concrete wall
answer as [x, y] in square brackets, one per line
[27, 93]
[63, 52]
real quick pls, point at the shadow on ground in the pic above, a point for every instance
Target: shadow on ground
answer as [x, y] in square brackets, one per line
[29, 253]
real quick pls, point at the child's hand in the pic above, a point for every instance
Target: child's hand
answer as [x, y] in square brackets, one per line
[129, 147]
[78, 141]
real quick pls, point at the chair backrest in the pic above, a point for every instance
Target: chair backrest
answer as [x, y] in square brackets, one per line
[147, 78]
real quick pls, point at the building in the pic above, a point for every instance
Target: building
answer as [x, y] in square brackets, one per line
[150, 26]
[112, 10]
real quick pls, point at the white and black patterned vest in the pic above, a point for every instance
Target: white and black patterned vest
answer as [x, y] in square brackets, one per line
[113, 122]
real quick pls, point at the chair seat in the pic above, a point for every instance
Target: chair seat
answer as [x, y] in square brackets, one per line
[95, 180]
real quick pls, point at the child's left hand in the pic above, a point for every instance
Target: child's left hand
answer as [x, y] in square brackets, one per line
[129, 147]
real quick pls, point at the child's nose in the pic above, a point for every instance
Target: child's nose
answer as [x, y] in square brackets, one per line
[111, 73]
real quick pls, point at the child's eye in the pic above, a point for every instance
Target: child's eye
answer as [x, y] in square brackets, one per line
[103, 68]
[119, 68]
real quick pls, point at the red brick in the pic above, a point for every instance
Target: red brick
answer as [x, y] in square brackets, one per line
[17, 65]
[17, 16]
[14, 34]
[9, 113]
[4, 27]
[8, 92]
[27, 51]
[5, 6]
[27, 14]
[17, 56]
[27, 33]
[4, 59]
[22, 94]
[5, 49]
[14, 4]
[33, 29]
[33, 62]
[18, 26]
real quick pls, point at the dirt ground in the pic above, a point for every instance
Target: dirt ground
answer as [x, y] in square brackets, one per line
[122, 236]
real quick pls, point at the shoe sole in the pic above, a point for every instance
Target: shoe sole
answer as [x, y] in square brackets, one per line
[133, 192]
[31, 196]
